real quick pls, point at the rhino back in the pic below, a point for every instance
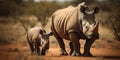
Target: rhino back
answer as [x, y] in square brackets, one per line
[33, 34]
[65, 21]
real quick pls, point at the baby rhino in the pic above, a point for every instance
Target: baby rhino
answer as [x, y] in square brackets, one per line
[36, 37]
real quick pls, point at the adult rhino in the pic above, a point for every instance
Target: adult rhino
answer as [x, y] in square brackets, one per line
[73, 24]
[36, 37]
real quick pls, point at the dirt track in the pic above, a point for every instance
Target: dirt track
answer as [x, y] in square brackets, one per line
[9, 52]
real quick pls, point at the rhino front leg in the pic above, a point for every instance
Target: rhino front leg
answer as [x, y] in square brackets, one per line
[45, 48]
[43, 51]
[87, 46]
[37, 49]
[76, 45]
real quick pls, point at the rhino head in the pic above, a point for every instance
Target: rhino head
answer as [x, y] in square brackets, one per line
[89, 25]
[44, 37]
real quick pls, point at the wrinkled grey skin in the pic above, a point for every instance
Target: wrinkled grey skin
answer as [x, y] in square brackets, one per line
[74, 25]
[36, 37]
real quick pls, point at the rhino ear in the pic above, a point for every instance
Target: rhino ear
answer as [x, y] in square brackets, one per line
[96, 10]
[83, 9]
[41, 32]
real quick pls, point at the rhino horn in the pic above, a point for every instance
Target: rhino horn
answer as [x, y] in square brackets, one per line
[96, 27]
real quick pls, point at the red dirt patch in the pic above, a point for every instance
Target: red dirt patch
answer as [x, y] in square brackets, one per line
[19, 52]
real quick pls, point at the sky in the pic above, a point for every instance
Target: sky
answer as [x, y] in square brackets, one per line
[64, 0]
[52, 0]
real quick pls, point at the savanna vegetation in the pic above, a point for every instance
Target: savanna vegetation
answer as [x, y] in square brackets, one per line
[25, 14]
[29, 12]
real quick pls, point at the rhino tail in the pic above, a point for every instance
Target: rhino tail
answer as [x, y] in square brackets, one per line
[28, 40]
[52, 25]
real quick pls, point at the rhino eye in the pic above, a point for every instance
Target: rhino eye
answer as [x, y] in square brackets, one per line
[86, 27]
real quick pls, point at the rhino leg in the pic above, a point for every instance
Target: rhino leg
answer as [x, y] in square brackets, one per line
[62, 45]
[87, 47]
[45, 48]
[37, 49]
[60, 41]
[43, 51]
[31, 48]
[76, 45]
[71, 47]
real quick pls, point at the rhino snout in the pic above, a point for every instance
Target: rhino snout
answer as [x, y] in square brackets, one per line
[93, 35]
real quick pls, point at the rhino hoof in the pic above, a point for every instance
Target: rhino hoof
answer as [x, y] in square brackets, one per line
[87, 55]
[75, 54]
[38, 54]
[43, 53]
[32, 53]
[70, 53]
[64, 53]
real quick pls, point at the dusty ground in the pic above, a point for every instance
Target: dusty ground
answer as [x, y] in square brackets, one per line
[16, 51]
